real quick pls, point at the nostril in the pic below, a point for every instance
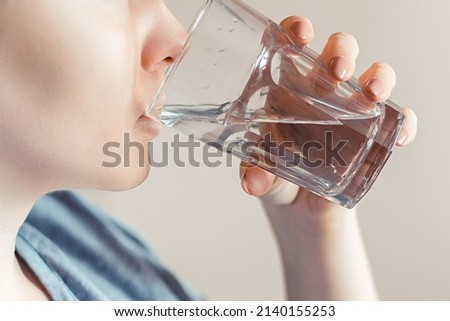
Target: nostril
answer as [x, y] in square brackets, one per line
[151, 62]
[169, 60]
[161, 49]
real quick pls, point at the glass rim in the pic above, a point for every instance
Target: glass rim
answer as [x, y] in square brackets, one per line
[191, 32]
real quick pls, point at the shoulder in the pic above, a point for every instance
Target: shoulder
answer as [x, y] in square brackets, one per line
[98, 250]
[66, 215]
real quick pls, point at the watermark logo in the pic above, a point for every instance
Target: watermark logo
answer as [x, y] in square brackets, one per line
[183, 151]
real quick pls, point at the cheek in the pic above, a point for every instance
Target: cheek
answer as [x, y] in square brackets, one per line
[74, 68]
[95, 95]
[76, 91]
[93, 103]
[99, 81]
[98, 106]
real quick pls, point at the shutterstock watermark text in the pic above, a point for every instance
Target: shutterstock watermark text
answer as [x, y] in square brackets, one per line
[186, 151]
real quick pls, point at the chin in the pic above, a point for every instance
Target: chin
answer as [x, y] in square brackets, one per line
[124, 179]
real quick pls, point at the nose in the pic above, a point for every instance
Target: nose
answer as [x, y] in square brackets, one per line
[164, 41]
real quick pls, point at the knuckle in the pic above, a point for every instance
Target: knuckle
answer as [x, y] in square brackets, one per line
[291, 19]
[386, 69]
[381, 65]
[343, 37]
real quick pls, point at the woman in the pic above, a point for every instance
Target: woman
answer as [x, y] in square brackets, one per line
[76, 74]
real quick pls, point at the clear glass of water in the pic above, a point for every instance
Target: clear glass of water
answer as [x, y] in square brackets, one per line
[242, 85]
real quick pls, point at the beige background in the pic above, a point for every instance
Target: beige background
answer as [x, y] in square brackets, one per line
[217, 238]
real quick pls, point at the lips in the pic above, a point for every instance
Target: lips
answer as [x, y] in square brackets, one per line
[150, 124]
[149, 117]
[149, 120]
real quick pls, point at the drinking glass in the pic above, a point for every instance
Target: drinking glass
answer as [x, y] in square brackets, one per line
[241, 85]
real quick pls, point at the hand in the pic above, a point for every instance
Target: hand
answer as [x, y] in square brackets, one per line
[377, 82]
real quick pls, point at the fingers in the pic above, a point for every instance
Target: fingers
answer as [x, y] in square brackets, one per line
[378, 81]
[409, 129]
[299, 29]
[339, 54]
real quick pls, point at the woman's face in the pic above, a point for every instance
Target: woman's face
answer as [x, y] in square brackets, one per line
[76, 75]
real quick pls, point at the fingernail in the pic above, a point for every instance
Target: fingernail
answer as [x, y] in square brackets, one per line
[301, 30]
[244, 185]
[340, 67]
[375, 86]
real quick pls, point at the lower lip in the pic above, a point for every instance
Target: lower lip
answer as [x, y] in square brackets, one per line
[151, 123]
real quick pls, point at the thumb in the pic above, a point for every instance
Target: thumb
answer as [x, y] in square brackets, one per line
[269, 188]
[255, 181]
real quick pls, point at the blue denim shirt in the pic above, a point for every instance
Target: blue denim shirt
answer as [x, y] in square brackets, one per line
[78, 252]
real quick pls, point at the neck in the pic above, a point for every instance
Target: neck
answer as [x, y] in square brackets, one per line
[17, 196]
[12, 215]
